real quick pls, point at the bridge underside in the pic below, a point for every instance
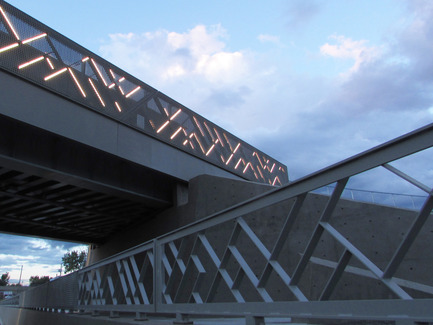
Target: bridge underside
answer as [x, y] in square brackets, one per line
[54, 187]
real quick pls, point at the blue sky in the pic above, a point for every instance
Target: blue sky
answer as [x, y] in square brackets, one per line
[308, 82]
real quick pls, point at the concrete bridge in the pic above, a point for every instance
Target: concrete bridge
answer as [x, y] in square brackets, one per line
[87, 149]
[184, 218]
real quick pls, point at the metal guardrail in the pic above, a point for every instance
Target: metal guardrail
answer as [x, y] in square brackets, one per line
[37, 53]
[224, 265]
[59, 294]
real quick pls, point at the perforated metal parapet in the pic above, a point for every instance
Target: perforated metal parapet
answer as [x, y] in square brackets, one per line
[39, 54]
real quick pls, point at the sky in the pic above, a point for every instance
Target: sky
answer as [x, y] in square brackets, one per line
[308, 82]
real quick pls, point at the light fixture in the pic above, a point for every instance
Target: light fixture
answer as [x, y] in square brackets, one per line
[76, 82]
[26, 64]
[34, 38]
[55, 74]
[9, 23]
[96, 92]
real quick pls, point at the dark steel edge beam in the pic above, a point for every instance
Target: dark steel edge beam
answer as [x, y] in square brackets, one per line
[13, 163]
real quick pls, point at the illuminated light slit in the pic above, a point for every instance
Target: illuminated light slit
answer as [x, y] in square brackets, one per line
[121, 79]
[237, 147]
[276, 179]
[34, 38]
[76, 82]
[237, 164]
[225, 136]
[246, 167]
[199, 143]
[210, 150]
[184, 132]
[112, 74]
[99, 72]
[175, 114]
[9, 23]
[208, 130]
[152, 124]
[133, 91]
[185, 142]
[55, 74]
[166, 112]
[191, 135]
[121, 90]
[230, 158]
[198, 124]
[219, 138]
[118, 106]
[4, 49]
[258, 158]
[85, 59]
[222, 159]
[26, 64]
[282, 169]
[162, 127]
[112, 85]
[192, 146]
[50, 63]
[176, 133]
[261, 175]
[96, 92]
[272, 169]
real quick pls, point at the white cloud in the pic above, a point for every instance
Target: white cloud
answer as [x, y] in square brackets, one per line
[266, 38]
[347, 48]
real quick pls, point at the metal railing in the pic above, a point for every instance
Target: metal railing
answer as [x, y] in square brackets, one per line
[312, 266]
[35, 52]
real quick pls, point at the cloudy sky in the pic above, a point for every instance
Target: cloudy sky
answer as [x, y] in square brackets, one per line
[308, 82]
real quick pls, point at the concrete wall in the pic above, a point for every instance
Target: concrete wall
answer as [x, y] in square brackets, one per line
[375, 230]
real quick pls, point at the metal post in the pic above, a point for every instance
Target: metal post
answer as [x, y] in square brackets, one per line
[254, 320]
[182, 319]
[114, 314]
[140, 316]
[157, 275]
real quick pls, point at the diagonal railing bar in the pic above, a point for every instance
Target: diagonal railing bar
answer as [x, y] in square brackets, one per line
[368, 274]
[288, 224]
[246, 270]
[189, 268]
[140, 278]
[222, 273]
[199, 280]
[121, 271]
[390, 283]
[131, 284]
[409, 238]
[336, 275]
[326, 215]
[408, 178]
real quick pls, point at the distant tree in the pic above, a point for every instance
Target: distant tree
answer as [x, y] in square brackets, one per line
[36, 280]
[4, 279]
[73, 261]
